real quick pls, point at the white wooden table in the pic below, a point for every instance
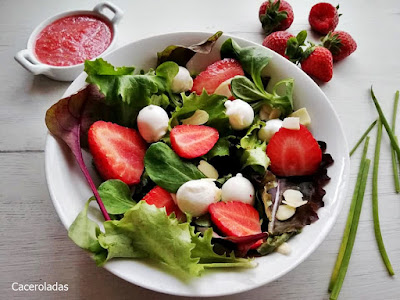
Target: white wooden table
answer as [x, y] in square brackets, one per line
[34, 246]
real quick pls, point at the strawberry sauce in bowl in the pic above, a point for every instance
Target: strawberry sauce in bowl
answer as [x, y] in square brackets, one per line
[73, 39]
[59, 46]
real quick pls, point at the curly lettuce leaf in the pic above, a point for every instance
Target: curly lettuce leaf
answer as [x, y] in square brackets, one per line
[167, 169]
[252, 150]
[221, 148]
[146, 231]
[84, 232]
[116, 196]
[129, 92]
[208, 258]
[182, 54]
[212, 104]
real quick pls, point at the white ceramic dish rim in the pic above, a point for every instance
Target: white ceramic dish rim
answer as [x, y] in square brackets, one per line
[340, 191]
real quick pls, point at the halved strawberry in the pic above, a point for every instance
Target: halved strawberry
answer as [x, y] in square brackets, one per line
[162, 198]
[236, 218]
[215, 74]
[294, 152]
[190, 141]
[118, 152]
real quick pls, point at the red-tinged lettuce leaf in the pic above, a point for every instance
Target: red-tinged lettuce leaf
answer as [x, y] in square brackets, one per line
[310, 186]
[67, 118]
[182, 54]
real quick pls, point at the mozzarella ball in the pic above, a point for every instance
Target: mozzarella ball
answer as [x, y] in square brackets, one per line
[240, 113]
[271, 127]
[152, 123]
[238, 188]
[194, 196]
[182, 82]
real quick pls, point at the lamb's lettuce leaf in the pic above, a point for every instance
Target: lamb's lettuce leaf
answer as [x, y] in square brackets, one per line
[116, 196]
[167, 169]
[253, 60]
[129, 92]
[212, 104]
[182, 54]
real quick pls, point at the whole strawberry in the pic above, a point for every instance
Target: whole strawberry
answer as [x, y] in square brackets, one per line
[318, 64]
[275, 15]
[323, 17]
[277, 41]
[340, 43]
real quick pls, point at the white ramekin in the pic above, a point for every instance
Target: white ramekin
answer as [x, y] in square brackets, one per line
[29, 61]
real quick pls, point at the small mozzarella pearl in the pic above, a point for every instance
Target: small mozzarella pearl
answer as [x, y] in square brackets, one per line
[240, 113]
[238, 188]
[182, 82]
[152, 123]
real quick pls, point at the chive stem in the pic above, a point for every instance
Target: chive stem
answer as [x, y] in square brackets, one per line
[346, 258]
[350, 217]
[375, 212]
[395, 145]
[363, 137]
[394, 159]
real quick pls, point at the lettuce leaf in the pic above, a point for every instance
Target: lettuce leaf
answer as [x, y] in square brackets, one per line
[212, 104]
[252, 150]
[84, 232]
[66, 120]
[116, 196]
[128, 92]
[182, 54]
[167, 169]
[208, 258]
[254, 60]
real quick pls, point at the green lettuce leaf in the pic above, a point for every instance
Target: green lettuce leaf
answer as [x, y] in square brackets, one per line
[116, 196]
[208, 258]
[182, 54]
[252, 150]
[253, 59]
[84, 232]
[221, 148]
[127, 91]
[146, 231]
[167, 169]
[212, 104]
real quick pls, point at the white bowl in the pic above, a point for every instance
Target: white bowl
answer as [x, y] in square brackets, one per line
[29, 61]
[69, 190]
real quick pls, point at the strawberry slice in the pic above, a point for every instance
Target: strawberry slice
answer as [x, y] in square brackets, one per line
[215, 74]
[190, 141]
[118, 152]
[162, 198]
[236, 218]
[294, 152]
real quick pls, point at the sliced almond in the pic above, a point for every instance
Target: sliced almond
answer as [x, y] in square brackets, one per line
[293, 198]
[208, 170]
[285, 212]
[199, 117]
[224, 88]
[303, 115]
[292, 123]
[284, 249]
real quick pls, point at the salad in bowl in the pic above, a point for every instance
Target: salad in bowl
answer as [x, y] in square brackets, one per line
[203, 160]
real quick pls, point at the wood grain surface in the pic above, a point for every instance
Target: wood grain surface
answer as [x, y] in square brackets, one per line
[35, 247]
